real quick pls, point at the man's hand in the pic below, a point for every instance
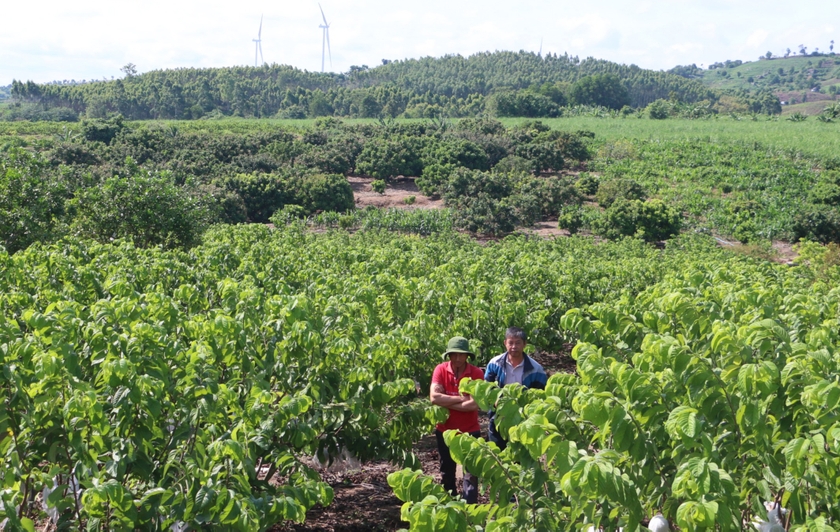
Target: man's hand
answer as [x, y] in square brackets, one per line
[438, 397]
[467, 405]
[461, 403]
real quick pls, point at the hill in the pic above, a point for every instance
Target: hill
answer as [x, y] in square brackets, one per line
[794, 80]
[501, 83]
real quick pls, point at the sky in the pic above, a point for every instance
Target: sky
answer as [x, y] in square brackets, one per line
[93, 39]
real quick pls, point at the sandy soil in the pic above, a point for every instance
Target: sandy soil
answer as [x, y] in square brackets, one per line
[395, 194]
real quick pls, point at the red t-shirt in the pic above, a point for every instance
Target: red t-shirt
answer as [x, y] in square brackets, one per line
[463, 421]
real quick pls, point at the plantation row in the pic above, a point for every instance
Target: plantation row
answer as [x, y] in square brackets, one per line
[160, 185]
[702, 397]
[146, 388]
[149, 387]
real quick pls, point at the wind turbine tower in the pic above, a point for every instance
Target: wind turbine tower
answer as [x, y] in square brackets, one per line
[258, 44]
[325, 39]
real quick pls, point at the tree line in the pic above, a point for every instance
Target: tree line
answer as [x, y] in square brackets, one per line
[500, 83]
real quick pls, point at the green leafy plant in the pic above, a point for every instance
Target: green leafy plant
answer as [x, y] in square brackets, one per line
[378, 186]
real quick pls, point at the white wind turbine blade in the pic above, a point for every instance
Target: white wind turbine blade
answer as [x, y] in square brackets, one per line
[261, 54]
[259, 33]
[323, 16]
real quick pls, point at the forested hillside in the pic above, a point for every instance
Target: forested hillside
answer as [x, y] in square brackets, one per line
[500, 83]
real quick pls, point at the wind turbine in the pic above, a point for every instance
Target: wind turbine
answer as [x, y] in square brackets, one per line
[325, 39]
[539, 54]
[258, 44]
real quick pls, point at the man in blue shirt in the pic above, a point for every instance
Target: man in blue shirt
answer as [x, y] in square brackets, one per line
[513, 366]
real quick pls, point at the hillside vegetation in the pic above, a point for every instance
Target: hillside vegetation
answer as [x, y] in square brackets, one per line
[814, 80]
[499, 83]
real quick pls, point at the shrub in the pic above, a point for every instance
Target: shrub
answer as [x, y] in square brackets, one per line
[262, 194]
[571, 219]
[820, 223]
[434, 178]
[482, 126]
[514, 164]
[464, 183]
[650, 220]
[481, 199]
[73, 153]
[149, 209]
[337, 156]
[587, 183]
[227, 205]
[31, 200]
[621, 188]
[552, 194]
[544, 156]
[287, 215]
[485, 214]
[659, 110]
[522, 103]
[827, 189]
[409, 200]
[385, 158]
[324, 192]
[378, 186]
[98, 130]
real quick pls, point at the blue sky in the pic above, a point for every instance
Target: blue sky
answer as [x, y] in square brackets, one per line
[85, 39]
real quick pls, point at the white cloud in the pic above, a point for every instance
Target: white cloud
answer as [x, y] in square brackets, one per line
[757, 38]
[93, 38]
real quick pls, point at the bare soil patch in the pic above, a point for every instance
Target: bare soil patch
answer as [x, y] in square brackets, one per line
[547, 229]
[395, 194]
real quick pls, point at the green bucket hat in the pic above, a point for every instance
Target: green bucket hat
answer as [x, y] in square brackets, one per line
[458, 344]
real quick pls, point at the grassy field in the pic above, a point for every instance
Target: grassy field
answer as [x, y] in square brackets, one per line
[809, 137]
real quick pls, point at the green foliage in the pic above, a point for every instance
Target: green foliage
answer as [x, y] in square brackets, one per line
[389, 157]
[262, 194]
[31, 200]
[827, 189]
[820, 223]
[659, 110]
[18, 111]
[699, 398]
[605, 90]
[522, 103]
[650, 220]
[434, 178]
[409, 200]
[513, 164]
[378, 186]
[452, 86]
[414, 221]
[148, 209]
[588, 184]
[620, 188]
[97, 130]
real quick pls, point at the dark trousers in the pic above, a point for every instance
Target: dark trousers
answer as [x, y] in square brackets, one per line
[494, 436]
[469, 490]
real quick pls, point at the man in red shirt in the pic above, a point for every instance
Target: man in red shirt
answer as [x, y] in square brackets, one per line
[463, 411]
